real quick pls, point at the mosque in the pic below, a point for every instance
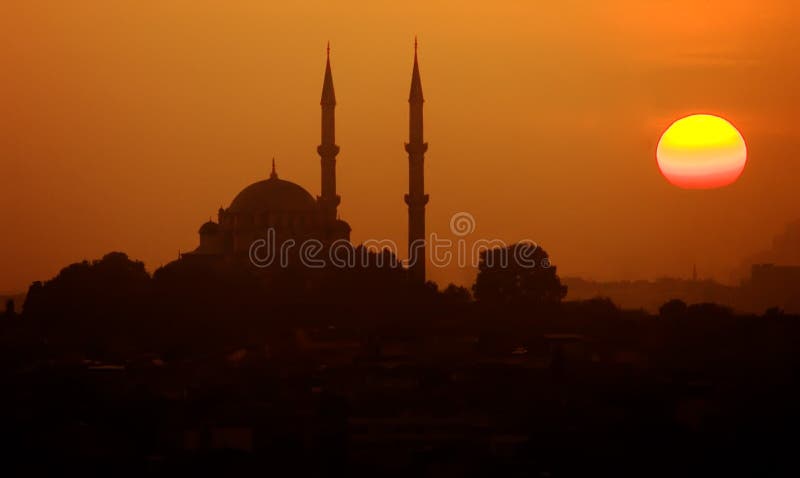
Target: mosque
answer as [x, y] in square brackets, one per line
[291, 212]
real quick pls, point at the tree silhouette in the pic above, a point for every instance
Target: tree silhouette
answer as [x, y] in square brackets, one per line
[373, 277]
[93, 303]
[113, 284]
[708, 310]
[454, 294]
[673, 309]
[518, 274]
[191, 284]
[10, 309]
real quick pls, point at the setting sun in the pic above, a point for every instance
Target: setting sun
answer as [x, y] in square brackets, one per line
[701, 152]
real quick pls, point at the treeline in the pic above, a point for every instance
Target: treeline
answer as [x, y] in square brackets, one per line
[114, 304]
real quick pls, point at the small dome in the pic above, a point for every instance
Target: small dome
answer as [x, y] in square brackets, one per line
[271, 195]
[342, 226]
[210, 227]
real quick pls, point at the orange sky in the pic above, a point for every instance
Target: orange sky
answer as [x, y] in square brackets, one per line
[124, 125]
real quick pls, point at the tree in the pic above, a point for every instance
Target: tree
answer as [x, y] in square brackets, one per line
[109, 286]
[370, 276]
[197, 285]
[673, 309]
[708, 310]
[10, 309]
[517, 274]
[455, 294]
[93, 302]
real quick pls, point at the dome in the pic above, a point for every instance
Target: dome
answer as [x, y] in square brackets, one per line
[342, 226]
[272, 194]
[210, 227]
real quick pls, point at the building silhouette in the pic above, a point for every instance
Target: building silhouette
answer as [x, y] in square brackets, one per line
[290, 212]
[282, 206]
[328, 199]
[416, 197]
[772, 285]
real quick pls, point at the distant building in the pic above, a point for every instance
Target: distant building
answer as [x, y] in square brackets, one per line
[650, 295]
[769, 286]
[774, 275]
[772, 285]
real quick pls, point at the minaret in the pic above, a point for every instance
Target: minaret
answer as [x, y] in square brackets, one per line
[416, 197]
[327, 149]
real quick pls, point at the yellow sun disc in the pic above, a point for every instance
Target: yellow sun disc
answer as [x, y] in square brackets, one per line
[701, 152]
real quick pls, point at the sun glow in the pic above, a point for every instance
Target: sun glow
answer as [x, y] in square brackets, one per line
[701, 152]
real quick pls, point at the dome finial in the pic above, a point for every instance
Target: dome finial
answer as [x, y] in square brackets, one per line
[273, 174]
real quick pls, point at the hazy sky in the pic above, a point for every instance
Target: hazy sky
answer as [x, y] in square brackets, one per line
[124, 125]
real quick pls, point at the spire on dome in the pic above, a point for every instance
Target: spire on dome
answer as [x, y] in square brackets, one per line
[273, 174]
[416, 83]
[328, 95]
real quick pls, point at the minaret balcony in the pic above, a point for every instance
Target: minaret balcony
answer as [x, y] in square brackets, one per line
[327, 150]
[416, 148]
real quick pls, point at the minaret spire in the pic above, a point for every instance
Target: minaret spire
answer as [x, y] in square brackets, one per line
[416, 197]
[328, 95]
[416, 83]
[328, 149]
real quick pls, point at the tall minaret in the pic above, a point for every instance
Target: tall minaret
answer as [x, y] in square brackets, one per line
[328, 149]
[416, 197]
